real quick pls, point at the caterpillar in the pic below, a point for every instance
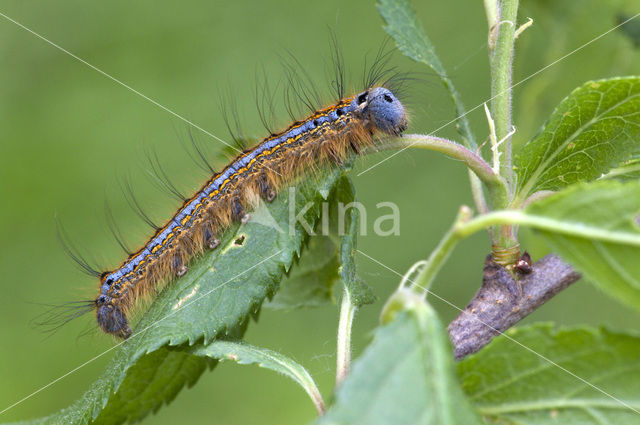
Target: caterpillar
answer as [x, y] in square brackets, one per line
[326, 136]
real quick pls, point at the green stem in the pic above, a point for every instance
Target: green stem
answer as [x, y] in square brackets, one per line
[501, 61]
[544, 223]
[464, 226]
[439, 255]
[496, 186]
[556, 404]
[478, 194]
[501, 40]
[491, 9]
[541, 194]
[343, 354]
[621, 171]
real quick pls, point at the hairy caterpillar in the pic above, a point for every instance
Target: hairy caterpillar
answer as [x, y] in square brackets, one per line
[324, 137]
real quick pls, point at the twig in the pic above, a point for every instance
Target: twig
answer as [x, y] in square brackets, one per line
[503, 301]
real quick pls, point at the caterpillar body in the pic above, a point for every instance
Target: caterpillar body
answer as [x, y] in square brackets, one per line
[326, 136]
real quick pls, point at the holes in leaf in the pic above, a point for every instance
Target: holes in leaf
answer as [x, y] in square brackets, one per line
[239, 240]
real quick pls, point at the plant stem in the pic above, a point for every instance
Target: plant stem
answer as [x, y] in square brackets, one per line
[501, 61]
[478, 195]
[496, 186]
[465, 226]
[501, 40]
[439, 255]
[343, 354]
[541, 194]
[633, 167]
[316, 398]
[544, 223]
[491, 9]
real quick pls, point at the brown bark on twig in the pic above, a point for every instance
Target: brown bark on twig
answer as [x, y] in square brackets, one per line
[502, 301]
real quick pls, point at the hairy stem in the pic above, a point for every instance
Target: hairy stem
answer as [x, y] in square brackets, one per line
[501, 62]
[496, 186]
[544, 223]
[501, 40]
[464, 226]
[491, 9]
[478, 194]
[343, 354]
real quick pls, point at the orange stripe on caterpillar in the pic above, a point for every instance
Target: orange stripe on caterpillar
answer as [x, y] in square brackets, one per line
[325, 136]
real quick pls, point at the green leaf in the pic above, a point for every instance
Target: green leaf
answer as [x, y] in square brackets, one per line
[312, 278]
[154, 379]
[404, 28]
[328, 255]
[511, 385]
[594, 226]
[215, 298]
[245, 354]
[405, 376]
[549, 40]
[594, 129]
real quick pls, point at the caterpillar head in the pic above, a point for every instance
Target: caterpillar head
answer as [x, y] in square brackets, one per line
[383, 110]
[111, 319]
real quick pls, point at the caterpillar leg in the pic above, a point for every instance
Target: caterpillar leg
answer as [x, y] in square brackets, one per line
[210, 240]
[213, 243]
[355, 147]
[334, 157]
[179, 266]
[266, 191]
[237, 211]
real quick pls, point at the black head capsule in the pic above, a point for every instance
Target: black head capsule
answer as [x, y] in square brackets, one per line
[111, 319]
[383, 109]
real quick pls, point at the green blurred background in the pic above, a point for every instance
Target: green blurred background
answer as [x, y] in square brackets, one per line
[69, 135]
